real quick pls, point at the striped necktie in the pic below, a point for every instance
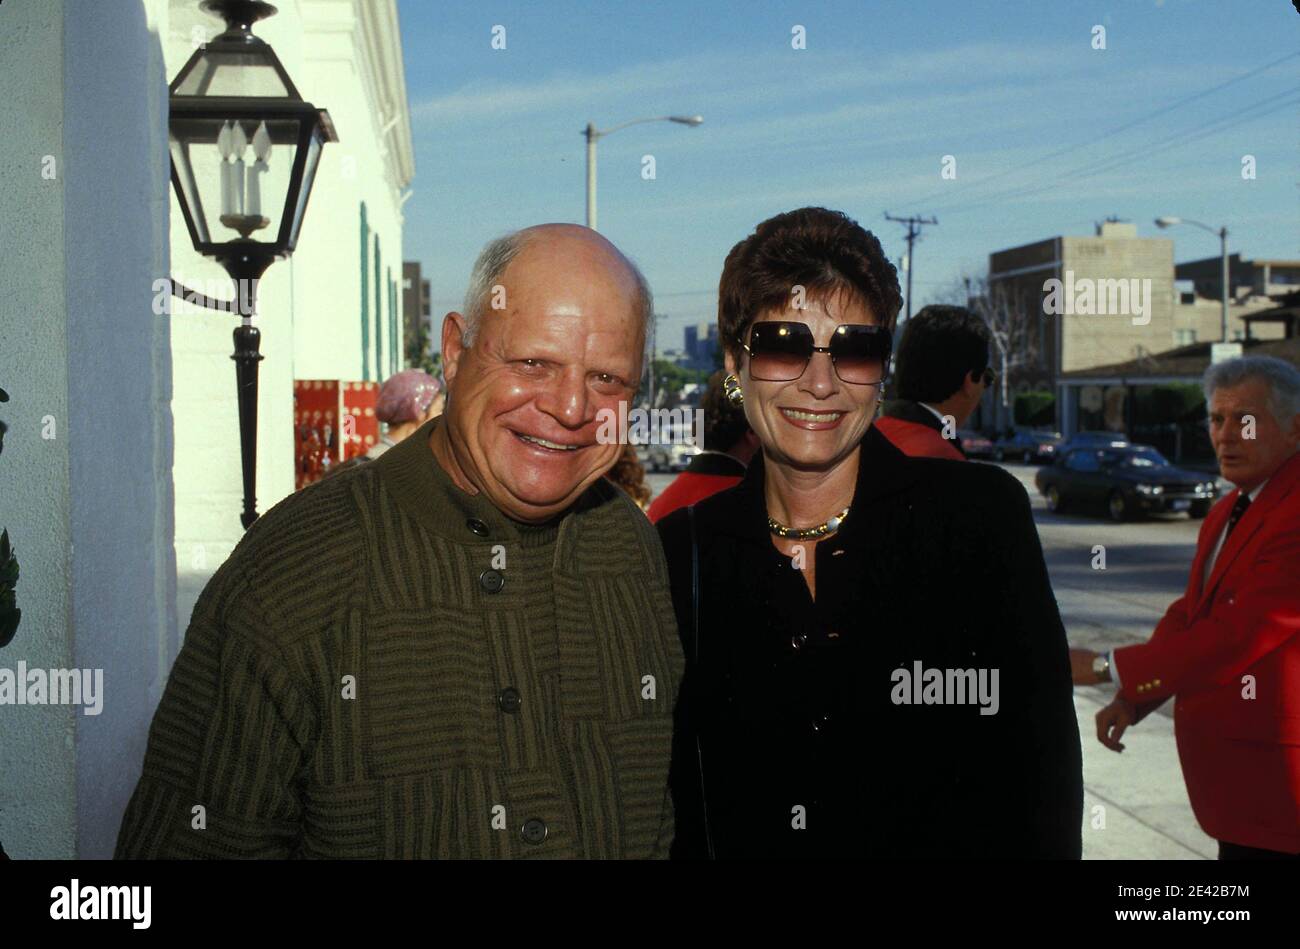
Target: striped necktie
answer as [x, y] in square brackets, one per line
[1238, 509]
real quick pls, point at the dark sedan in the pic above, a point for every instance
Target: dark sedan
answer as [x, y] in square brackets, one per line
[1125, 480]
[1092, 440]
[1028, 445]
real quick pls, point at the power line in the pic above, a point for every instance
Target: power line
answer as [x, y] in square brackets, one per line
[1069, 149]
[1111, 162]
[914, 225]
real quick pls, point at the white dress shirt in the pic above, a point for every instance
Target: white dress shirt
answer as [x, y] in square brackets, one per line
[935, 412]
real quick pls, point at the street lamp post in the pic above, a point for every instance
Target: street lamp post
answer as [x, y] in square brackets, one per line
[1163, 222]
[593, 134]
[244, 147]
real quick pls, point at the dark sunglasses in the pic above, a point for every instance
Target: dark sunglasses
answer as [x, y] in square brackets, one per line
[780, 351]
[989, 377]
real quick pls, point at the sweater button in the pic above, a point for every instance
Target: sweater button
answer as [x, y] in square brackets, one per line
[534, 830]
[476, 526]
[509, 700]
[491, 580]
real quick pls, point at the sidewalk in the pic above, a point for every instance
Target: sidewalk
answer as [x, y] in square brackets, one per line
[1135, 804]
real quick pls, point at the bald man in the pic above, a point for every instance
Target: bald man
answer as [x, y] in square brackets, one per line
[465, 648]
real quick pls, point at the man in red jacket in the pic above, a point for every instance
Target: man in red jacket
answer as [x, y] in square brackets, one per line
[942, 371]
[1229, 648]
[729, 444]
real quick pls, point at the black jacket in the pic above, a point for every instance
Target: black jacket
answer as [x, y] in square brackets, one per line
[795, 709]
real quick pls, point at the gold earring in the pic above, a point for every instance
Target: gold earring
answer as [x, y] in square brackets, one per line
[731, 388]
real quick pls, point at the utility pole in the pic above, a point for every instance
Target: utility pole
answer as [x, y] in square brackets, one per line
[914, 225]
[654, 345]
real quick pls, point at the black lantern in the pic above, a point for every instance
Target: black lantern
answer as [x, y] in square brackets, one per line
[244, 149]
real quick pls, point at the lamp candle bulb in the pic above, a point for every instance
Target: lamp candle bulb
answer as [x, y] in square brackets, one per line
[261, 151]
[227, 172]
[239, 144]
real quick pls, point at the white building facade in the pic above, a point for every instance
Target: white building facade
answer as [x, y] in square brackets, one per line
[120, 482]
[332, 310]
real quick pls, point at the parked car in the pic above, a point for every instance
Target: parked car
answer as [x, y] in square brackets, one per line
[1028, 445]
[670, 453]
[1092, 440]
[1126, 480]
[974, 444]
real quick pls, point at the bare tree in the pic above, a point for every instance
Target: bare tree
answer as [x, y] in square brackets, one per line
[1011, 310]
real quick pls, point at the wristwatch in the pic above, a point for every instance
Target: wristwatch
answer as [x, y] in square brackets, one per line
[1101, 666]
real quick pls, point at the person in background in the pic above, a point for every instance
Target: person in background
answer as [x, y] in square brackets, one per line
[1228, 649]
[629, 474]
[729, 444]
[943, 370]
[407, 400]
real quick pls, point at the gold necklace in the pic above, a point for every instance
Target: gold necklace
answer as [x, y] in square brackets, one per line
[807, 533]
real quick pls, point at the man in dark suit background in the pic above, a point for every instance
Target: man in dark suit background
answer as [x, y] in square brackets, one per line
[942, 371]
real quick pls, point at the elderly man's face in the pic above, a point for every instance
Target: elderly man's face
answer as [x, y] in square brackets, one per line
[525, 399]
[1248, 462]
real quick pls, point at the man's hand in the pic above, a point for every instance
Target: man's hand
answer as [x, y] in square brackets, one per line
[1081, 667]
[1113, 721]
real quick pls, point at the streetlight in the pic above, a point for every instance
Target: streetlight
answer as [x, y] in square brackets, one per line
[244, 150]
[593, 134]
[1163, 222]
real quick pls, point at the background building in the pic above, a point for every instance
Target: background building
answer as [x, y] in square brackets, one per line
[1071, 341]
[1157, 399]
[701, 346]
[415, 306]
[1256, 285]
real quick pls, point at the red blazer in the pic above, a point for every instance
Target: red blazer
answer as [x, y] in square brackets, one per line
[917, 440]
[706, 475]
[1240, 754]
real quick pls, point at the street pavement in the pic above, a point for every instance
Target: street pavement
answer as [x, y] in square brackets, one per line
[1135, 802]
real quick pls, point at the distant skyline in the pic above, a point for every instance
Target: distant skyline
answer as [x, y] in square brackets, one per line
[1049, 135]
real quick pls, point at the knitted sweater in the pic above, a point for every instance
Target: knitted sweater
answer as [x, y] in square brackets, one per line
[388, 667]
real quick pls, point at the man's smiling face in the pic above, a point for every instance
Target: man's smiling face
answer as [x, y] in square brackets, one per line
[525, 399]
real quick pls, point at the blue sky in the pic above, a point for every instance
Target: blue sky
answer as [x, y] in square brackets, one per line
[859, 121]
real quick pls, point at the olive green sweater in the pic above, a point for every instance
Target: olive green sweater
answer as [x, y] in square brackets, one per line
[388, 667]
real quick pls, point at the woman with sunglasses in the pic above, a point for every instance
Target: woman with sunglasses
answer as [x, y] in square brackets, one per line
[876, 664]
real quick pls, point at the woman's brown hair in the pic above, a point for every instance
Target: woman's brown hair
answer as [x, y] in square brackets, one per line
[820, 250]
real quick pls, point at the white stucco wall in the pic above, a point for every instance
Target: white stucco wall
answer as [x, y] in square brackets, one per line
[309, 304]
[134, 403]
[337, 70]
[85, 361]
[207, 474]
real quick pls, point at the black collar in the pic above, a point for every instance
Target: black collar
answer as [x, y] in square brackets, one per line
[741, 512]
[716, 463]
[909, 411]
